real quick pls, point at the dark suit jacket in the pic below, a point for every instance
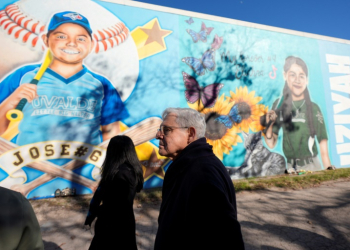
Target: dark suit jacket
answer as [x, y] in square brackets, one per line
[19, 227]
[198, 209]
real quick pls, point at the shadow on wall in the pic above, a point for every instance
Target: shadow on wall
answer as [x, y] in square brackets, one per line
[233, 116]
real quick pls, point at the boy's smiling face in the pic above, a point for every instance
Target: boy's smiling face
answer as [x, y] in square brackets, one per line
[69, 43]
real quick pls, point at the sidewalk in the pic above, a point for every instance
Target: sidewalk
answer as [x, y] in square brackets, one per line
[315, 218]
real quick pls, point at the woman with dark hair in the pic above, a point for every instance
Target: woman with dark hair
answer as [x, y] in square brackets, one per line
[121, 178]
[301, 121]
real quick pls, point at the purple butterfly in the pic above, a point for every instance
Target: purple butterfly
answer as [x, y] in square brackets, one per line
[207, 62]
[201, 35]
[194, 92]
[217, 42]
[189, 21]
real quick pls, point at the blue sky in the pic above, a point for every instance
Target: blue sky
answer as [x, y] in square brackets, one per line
[323, 17]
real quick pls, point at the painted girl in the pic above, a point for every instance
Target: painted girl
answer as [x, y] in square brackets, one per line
[300, 119]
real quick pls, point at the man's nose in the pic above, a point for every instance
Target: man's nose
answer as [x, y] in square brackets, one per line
[158, 135]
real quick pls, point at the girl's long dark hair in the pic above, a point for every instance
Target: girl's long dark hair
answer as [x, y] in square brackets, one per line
[121, 150]
[287, 105]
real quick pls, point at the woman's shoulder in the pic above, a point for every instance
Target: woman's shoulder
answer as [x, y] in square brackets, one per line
[126, 172]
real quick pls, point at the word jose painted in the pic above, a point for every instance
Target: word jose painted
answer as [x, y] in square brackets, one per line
[23, 155]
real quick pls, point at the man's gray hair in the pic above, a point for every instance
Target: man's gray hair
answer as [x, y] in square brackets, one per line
[186, 117]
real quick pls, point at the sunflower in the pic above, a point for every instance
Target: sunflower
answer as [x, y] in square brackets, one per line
[218, 135]
[248, 108]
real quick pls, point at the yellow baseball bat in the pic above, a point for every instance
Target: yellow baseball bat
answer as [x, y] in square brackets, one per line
[16, 115]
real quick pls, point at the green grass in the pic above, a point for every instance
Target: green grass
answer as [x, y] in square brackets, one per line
[255, 183]
[250, 184]
[291, 181]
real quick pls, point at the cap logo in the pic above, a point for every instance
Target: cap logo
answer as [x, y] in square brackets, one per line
[74, 16]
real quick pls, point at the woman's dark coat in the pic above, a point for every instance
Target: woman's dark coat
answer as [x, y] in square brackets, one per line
[198, 210]
[115, 225]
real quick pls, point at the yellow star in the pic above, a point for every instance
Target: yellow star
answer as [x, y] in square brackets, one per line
[153, 166]
[149, 39]
[156, 34]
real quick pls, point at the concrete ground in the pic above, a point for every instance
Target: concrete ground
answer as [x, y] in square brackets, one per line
[315, 218]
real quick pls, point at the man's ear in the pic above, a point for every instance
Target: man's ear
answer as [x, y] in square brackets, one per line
[44, 38]
[192, 134]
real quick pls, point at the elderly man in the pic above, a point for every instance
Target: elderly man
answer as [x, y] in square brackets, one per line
[198, 210]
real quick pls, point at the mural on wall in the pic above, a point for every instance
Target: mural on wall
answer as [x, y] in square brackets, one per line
[74, 73]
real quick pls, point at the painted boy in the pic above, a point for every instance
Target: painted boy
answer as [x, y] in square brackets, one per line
[70, 103]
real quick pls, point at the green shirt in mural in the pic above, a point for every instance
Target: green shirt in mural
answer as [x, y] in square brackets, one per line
[295, 140]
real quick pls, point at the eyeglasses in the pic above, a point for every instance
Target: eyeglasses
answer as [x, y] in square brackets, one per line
[166, 130]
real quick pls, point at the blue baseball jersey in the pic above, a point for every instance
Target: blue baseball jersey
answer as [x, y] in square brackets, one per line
[67, 109]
